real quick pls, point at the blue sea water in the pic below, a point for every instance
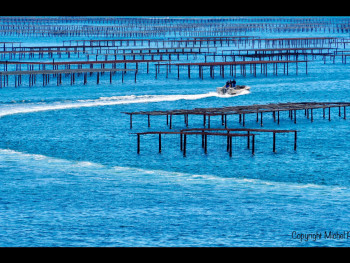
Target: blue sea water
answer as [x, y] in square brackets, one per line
[71, 175]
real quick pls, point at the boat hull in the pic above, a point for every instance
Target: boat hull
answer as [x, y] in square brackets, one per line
[232, 90]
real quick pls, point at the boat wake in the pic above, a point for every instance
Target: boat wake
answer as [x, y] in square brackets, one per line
[18, 108]
[39, 163]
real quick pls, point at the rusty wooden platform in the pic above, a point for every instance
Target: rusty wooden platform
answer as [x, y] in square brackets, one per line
[274, 108]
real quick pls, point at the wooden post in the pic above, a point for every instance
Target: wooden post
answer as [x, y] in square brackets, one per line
[274, 142]
[248, 140]
[253, 144]
[295, 140]
[306, 67]
[228, 142]
[202, 138]
[130, 121]
[160, 143]
[230, 146]
[184, 145]
[181, 141]
[138, 143]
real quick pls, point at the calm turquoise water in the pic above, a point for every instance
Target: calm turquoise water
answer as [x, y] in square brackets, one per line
[71, 176]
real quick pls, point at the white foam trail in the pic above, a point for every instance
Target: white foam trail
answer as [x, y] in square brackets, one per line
[10, 109]
[92, 169]
[96, 169]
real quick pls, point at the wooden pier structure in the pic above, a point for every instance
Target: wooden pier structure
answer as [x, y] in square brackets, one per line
[275, 108]
[205, 132]
[159, 27]
[307, 53]
[296, 42]
[59, 68]
[184, 44]
[232, 67]
[32, 75]
[249, 133]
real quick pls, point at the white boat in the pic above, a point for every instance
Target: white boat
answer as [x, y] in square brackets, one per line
[232, 90]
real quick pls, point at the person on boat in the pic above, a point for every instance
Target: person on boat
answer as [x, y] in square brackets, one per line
[233, 83]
